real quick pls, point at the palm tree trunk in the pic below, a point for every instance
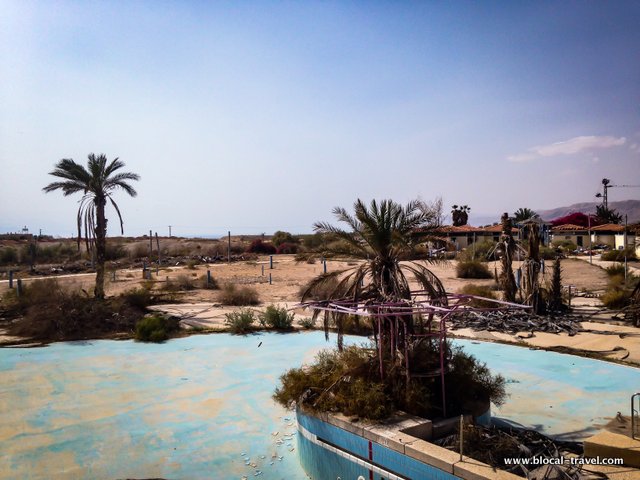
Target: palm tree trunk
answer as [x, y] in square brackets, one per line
[101, 247]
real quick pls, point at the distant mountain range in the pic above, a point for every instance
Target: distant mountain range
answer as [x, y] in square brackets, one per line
[631, 208]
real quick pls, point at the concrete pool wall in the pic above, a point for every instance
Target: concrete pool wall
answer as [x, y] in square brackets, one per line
[332, 446]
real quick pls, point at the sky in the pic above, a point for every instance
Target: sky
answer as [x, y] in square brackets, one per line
[259, 116]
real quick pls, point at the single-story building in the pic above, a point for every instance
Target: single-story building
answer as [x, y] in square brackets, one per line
[609, 234]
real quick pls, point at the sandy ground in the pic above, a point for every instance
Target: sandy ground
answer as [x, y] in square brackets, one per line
[201, 307]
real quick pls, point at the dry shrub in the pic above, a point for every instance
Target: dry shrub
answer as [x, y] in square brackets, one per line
[241, 296]
[349, 382]
[322, 290]
[181, 283]
[480, 291]
[615, 299]
[472, 269]
[49, 312]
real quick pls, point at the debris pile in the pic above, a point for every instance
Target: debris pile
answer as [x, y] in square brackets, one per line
[493, 445]
[514, 322]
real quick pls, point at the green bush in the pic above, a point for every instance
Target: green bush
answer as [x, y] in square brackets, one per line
[480, 291]
[348, 381]
[565, 245]
[277, 318]
[472, 269]
[8, 256]
[615, 270]
[619, 255]
[281, 237]
[549, 253]
[238, 296]
[155, 328]
[241, 321]
[307, 323]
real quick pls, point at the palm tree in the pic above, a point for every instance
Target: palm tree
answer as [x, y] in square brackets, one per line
[460, 215]
[380, 235]
[608, 215]
[97, 182]
[523, 214]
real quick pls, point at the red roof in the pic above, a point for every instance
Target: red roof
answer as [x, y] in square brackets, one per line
[496, 229]
[460, 229]
[469, 229]
[568, 226]
[608, 227]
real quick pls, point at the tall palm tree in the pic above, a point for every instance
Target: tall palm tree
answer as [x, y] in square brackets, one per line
[523, 214]
[381, 235]
[97, 182]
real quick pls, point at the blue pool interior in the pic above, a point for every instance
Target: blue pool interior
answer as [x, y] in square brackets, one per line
[201, 407]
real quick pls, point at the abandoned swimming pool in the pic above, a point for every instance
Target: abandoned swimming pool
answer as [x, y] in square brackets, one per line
[200, 407]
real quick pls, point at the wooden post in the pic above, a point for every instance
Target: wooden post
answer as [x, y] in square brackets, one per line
[229, 246]
[271, 262]
[113, 276]
[150, 245]
[324, 265]
[269, 278]
[263, 270]
[19, 290]
[158, 246]
[11, 278]
[208, 277]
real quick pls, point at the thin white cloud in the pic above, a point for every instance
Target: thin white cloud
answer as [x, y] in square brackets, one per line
[575, 145]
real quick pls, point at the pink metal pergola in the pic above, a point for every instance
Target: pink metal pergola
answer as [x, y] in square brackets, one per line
[421, 304]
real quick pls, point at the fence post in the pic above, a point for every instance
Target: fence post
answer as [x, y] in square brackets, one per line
[10, 278]
[269, 279]
[270, 262]
[19, 291]
[324, 265]
[208, 277]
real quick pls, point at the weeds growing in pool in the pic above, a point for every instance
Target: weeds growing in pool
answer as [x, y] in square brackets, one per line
[349, 382]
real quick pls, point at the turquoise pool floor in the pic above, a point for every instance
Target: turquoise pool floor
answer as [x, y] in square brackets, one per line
[189, 408]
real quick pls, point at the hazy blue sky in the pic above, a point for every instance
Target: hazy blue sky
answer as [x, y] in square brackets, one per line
[258, 116]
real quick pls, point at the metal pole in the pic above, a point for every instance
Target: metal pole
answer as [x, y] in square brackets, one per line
[590, 247]
[461, 434]
[269, 278]
[271, 262]
[626, 266]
